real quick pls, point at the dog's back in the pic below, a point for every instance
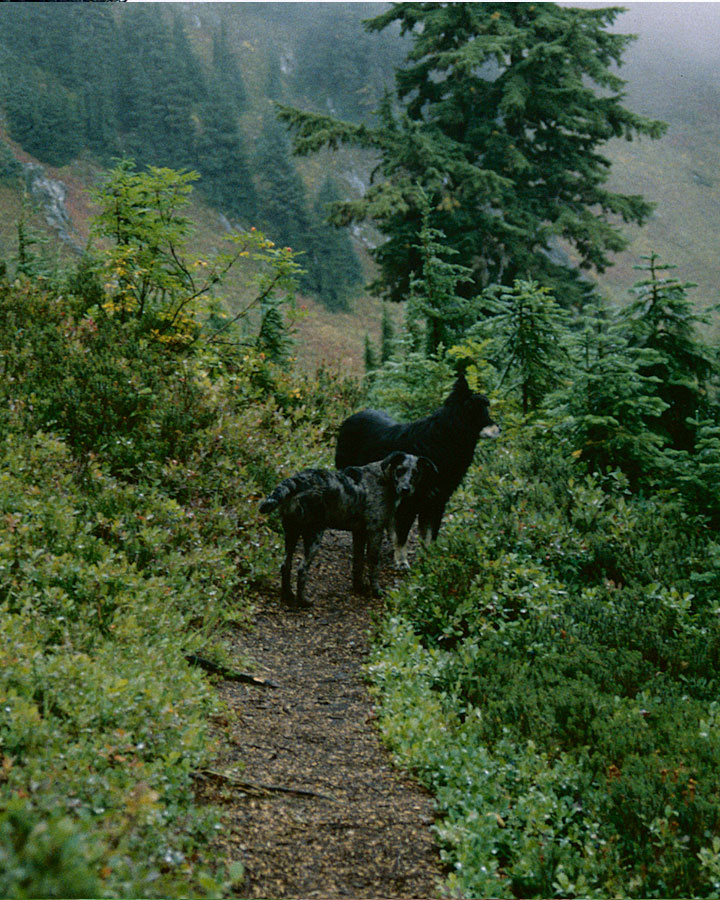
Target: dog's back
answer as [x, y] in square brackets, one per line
[322, 498]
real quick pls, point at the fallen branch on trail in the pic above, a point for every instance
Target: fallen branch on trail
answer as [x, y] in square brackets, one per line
[257, 789]
[228, 674]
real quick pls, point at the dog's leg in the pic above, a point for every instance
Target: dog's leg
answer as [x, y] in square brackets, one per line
[373, 558]
[292, 534]
[358, 558]
[430, 519]
[436, 517]
[424, 529]
[399, 550]
[311, 544]
[402, 523]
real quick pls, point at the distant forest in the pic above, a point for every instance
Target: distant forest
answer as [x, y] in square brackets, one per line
[191, 87]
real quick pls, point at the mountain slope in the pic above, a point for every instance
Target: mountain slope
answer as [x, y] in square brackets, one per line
[670, 75]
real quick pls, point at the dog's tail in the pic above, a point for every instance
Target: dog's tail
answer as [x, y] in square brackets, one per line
[268, 504]
[286, 489]
[281, 492]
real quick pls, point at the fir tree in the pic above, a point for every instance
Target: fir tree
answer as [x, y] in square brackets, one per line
[274, 86]
[282, 201]
[662, 319]
[156, 95]
[501, 111]
[371, 360]
[606, 400]
[45, 120]
[528, 339]
[387, 336]
[224, 164]
[435, 295]
[226, 71]
[335, 266]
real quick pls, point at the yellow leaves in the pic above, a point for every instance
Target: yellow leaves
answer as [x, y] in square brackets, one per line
[142, 799]
[118, 686]
[448, 203]
[5, 767]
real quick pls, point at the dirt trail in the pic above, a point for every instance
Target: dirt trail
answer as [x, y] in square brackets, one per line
[361, 830]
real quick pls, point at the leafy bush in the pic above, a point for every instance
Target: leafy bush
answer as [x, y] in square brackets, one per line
[550, 670]
[131, 465]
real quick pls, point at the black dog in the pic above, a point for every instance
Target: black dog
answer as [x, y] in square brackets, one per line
[447, 437]
[358, 499]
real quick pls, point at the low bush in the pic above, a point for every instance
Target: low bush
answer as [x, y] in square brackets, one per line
[103, 720]
[106, 584]
[130, 475]
[550, 668]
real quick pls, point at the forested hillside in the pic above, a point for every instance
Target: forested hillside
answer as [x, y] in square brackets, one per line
[196, 92]
[549, 666]
[223, 64]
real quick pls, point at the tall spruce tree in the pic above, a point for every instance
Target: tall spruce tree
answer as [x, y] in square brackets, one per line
[282, 202]
[222, 159]
[155, 95]
[226, 71]
[500, 113]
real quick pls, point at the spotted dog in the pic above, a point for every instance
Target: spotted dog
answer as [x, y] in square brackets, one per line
[360, 499]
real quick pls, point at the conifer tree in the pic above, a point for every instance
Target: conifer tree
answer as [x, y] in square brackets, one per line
[223, 160]
[528, 339]
[436, 294]
[663, 320]
[606, 400]
[371, 361]
[273, 85]
[282, 202]
[155, 96]
[500, 112]
[387, 335]
[335, 266]
[226, 71]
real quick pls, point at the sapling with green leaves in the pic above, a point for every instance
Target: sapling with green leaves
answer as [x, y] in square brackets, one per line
[150, 278]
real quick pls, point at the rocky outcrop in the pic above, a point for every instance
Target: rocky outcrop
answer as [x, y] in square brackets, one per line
[50, 195]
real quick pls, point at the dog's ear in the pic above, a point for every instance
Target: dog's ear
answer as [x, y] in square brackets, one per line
[461, 389]
[392, 460]
[427, 468]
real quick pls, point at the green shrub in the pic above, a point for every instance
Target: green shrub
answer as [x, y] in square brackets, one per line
[43, 857]
[550, 670]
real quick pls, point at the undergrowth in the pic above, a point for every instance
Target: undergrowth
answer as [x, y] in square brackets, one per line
[550, 670]
[132, 460]
[108, 580]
